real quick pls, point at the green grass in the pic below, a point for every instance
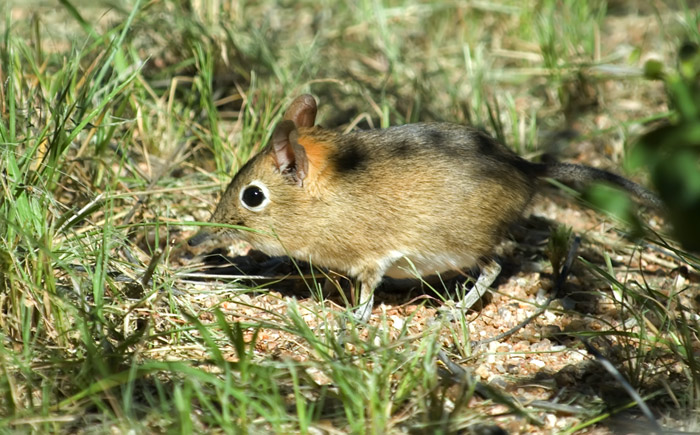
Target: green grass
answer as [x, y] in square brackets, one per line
[120, 123]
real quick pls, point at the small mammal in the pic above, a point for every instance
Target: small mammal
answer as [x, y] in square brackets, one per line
[425, 198]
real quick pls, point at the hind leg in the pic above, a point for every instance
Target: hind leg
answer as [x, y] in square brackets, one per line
[489, 273]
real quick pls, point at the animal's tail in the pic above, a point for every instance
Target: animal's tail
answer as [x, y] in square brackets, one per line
[578, 173]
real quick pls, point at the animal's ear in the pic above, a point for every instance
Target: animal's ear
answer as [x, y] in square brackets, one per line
[302, 111]
[290, 157]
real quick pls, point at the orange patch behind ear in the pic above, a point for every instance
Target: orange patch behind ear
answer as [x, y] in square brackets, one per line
[317, 153]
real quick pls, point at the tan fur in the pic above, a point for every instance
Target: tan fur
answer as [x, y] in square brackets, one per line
[438, 196]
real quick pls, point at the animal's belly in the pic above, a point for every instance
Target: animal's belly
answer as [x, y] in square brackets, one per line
[413, 266]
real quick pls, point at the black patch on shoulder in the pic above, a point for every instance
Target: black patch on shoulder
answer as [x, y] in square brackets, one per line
[350, 159]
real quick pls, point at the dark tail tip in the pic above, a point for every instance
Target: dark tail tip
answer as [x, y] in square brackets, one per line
[198, 238]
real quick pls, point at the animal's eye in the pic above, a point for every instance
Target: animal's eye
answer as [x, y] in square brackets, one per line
[255, 196]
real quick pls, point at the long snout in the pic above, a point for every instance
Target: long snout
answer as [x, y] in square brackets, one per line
[198, 238]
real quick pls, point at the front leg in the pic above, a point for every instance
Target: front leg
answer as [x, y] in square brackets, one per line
[364, 299]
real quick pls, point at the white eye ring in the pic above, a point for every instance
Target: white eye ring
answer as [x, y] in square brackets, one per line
[254, 196]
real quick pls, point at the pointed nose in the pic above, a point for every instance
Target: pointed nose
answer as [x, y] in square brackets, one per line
[198, 238]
